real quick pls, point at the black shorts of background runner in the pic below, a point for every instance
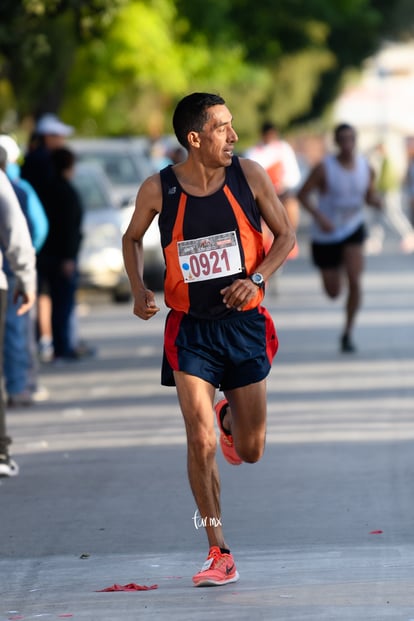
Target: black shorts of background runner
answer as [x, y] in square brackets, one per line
[326, 256]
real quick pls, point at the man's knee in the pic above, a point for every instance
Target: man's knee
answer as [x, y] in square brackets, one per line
[354, 285]
[332, 292]
[331, 283]
[202, 443]
[250, 450]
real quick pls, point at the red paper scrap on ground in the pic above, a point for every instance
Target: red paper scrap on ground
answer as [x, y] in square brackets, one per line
[128, 587]
[376, 532]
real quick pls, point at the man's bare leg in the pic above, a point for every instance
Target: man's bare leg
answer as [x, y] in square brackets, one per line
[196, 398]
[246, 420]
[354, 265]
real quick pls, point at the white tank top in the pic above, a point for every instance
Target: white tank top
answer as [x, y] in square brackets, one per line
[344, 199]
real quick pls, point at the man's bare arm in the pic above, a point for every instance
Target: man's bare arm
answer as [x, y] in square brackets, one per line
[315, 181]
[148, 203]
[273, 213]
[241, 291]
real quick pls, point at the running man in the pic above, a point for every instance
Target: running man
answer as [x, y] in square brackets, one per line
[344, 183]
[217, 334]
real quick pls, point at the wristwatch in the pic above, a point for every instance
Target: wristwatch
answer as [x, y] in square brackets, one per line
[258, 279]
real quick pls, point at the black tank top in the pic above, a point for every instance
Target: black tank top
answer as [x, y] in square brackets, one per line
[206, 220]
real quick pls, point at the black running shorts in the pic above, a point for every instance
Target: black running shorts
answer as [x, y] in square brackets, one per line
[228, 353]
[326, 256]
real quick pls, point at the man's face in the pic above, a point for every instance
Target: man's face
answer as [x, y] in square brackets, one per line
[270, 136]
[53, 141]
[346, 140]
[217, 137]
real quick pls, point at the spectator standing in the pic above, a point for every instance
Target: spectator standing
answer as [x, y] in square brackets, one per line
[50, 134]
[344, 183]
[388, 185]
[409, 185]
[57, 260]
[35, 209]
[16, 246]
[20, 355]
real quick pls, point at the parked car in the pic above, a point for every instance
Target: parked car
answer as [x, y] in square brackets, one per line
[101, 263]
[126, 163]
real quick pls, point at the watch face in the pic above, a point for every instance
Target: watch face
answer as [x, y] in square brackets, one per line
[257, 278]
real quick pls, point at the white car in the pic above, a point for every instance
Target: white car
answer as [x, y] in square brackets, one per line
[101, 263]
[125, 162]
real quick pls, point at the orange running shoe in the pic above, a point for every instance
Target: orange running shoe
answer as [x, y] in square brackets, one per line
[226, 439]
[218, 569]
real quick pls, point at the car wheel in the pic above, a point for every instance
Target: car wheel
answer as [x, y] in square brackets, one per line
[121, 296]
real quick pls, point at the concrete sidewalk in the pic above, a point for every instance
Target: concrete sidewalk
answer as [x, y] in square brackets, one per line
[321, 528]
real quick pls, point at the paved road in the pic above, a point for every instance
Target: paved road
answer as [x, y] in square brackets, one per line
[103, 474]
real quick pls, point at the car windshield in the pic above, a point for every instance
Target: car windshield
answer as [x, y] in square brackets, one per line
[120, 168]
[92, 193]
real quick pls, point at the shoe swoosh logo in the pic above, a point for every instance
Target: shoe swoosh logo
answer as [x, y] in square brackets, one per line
[229, 569]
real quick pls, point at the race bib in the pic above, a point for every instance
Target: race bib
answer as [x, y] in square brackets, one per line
[209, 257]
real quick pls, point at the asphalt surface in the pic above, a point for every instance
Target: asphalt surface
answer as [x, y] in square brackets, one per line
[321, 528]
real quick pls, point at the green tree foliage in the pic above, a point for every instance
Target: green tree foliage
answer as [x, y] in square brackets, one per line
[119, 66]
[305, 46]
[38, 41]
[398, 18]
[128, 81]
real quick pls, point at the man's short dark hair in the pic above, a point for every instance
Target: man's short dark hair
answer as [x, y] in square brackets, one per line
[191, 114]
[341, 128]
[268, 126]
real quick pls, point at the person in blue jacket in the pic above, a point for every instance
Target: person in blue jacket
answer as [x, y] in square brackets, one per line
[15, 246]
[19, 350]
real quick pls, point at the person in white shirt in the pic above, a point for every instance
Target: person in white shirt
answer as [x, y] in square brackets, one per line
[279, 160]
[344, 183]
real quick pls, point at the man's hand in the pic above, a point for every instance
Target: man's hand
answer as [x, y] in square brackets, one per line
[324, 222]
[145, 306]
[239, 293]
[27, 301]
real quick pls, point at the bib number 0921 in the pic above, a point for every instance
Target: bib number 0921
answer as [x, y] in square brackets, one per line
[205, 258]
[207, 263]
